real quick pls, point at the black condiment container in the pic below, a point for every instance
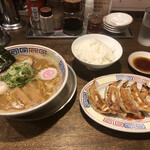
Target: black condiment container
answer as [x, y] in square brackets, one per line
[73, 17]
[94, 24]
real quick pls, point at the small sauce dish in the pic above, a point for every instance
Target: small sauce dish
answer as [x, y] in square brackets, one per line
[140, 61]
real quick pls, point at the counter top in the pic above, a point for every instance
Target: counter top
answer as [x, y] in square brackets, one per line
[71, 128]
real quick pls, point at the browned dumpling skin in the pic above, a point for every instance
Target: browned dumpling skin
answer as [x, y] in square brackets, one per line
[96, 100]
[145, 93]
[125, 100]
[137, 98]
[112, 98]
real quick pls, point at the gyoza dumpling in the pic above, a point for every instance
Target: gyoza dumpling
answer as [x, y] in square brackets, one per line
[96, 100]
[125, 100]
[145, 93]
[137, 98]
[112, 98]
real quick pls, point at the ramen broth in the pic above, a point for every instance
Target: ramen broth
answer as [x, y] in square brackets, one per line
[34, 92]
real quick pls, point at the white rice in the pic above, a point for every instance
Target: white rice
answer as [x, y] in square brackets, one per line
[94, 51]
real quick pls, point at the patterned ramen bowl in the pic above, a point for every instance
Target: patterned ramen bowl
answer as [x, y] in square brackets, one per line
[50, 73]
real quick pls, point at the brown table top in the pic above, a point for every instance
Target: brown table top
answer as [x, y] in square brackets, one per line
[71, 128]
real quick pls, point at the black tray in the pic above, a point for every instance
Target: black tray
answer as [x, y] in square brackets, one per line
[59, 34]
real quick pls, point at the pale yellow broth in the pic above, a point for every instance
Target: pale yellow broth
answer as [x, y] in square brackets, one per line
[34, 92]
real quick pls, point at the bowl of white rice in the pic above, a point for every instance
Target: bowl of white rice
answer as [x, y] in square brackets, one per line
[96, 51]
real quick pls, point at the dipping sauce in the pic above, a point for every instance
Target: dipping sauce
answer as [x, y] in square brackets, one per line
[142, 63]
[72, 26]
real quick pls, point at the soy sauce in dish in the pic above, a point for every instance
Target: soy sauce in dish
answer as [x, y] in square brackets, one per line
[142, 63]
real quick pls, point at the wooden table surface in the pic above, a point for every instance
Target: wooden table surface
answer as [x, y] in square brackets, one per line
[71, 128]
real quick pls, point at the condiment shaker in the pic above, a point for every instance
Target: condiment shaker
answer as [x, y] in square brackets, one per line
[88, 10]
[58, 17]
[73, 17]
[94, 24]
[46, 20]
[57, 7]
[33, 11]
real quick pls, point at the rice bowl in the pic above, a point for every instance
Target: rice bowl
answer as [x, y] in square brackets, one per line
[96, 51]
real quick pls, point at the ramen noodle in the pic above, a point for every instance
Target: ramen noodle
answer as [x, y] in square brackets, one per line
[34, 92]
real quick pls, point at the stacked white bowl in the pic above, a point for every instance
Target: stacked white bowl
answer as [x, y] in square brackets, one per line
[117, 22]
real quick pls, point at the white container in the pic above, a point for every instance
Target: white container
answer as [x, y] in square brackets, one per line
[46, 20]
[89, 7]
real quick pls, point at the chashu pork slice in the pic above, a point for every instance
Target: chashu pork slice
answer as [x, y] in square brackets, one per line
[137, 98]
[125, 100]
[112, 98]
[96, 100]
[145, 93]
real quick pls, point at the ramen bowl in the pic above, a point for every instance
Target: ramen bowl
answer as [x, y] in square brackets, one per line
[41, 54]
[96, 51]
